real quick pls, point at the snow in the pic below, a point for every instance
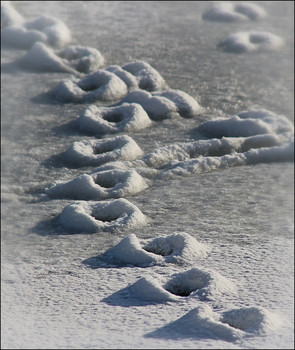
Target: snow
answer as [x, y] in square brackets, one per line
[180, 248]
[103, 120]
[99, 185]
[44, 29]
[164, 105]
[98, 152]
[234, 12]
[251, 41]
[170, 237]
[94, 217]
[73, 59]
[98, 86]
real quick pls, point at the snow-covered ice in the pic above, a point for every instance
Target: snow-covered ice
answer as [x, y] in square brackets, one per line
[179, 235]
[107, 120]
[251, 41]
[234, 12]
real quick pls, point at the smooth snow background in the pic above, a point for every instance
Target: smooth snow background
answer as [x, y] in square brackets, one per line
[50, 299]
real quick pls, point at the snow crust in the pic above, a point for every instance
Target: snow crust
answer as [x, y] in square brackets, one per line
[102, 120]
[251, 41]
[98, 152]
[234, 12]
[95, 217]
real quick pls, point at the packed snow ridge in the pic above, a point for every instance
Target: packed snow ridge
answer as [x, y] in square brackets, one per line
[73, 59]
[252, 41]
[22, 34]
[102, 120]
[232, 325]
[110, 83]
[177, 248]
[94, 217]
[234, 12]
[98, 152]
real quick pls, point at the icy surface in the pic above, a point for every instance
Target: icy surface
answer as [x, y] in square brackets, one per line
[201, 258]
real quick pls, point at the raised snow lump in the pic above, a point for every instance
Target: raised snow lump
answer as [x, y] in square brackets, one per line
[94, 217]
[234, 12]
[101, 85]
[98, 152]
[46, 29]
[176, 248]
[112, 183]
[103, 120]
[247, 123]
[73, 59]
[9, 15]
[204, 283]
[251, 41]
[148, 78]
[164, 105]
[256, 320]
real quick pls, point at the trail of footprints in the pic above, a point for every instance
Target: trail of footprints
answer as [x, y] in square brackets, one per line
[123, 169]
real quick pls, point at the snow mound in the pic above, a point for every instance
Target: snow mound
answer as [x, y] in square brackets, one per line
[148, 78]
[72, 59]
[98, 152]
[149, 290]
[252, 41]
[234, 12]
[256, 320]
[203, 283]
[9, 15]
[186, 150]
[48, 30]
[164, 105]
[175, 248]
[199, 323]
[247, 123]
[282, 153]
[128, 78]
[99, 185]
[101, 85]
[102, 120]
[94, 217]
[130, 252]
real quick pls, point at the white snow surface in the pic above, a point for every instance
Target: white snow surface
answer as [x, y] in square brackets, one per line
[168, 237]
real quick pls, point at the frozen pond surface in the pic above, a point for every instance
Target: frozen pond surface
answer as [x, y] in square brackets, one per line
[54, 293]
